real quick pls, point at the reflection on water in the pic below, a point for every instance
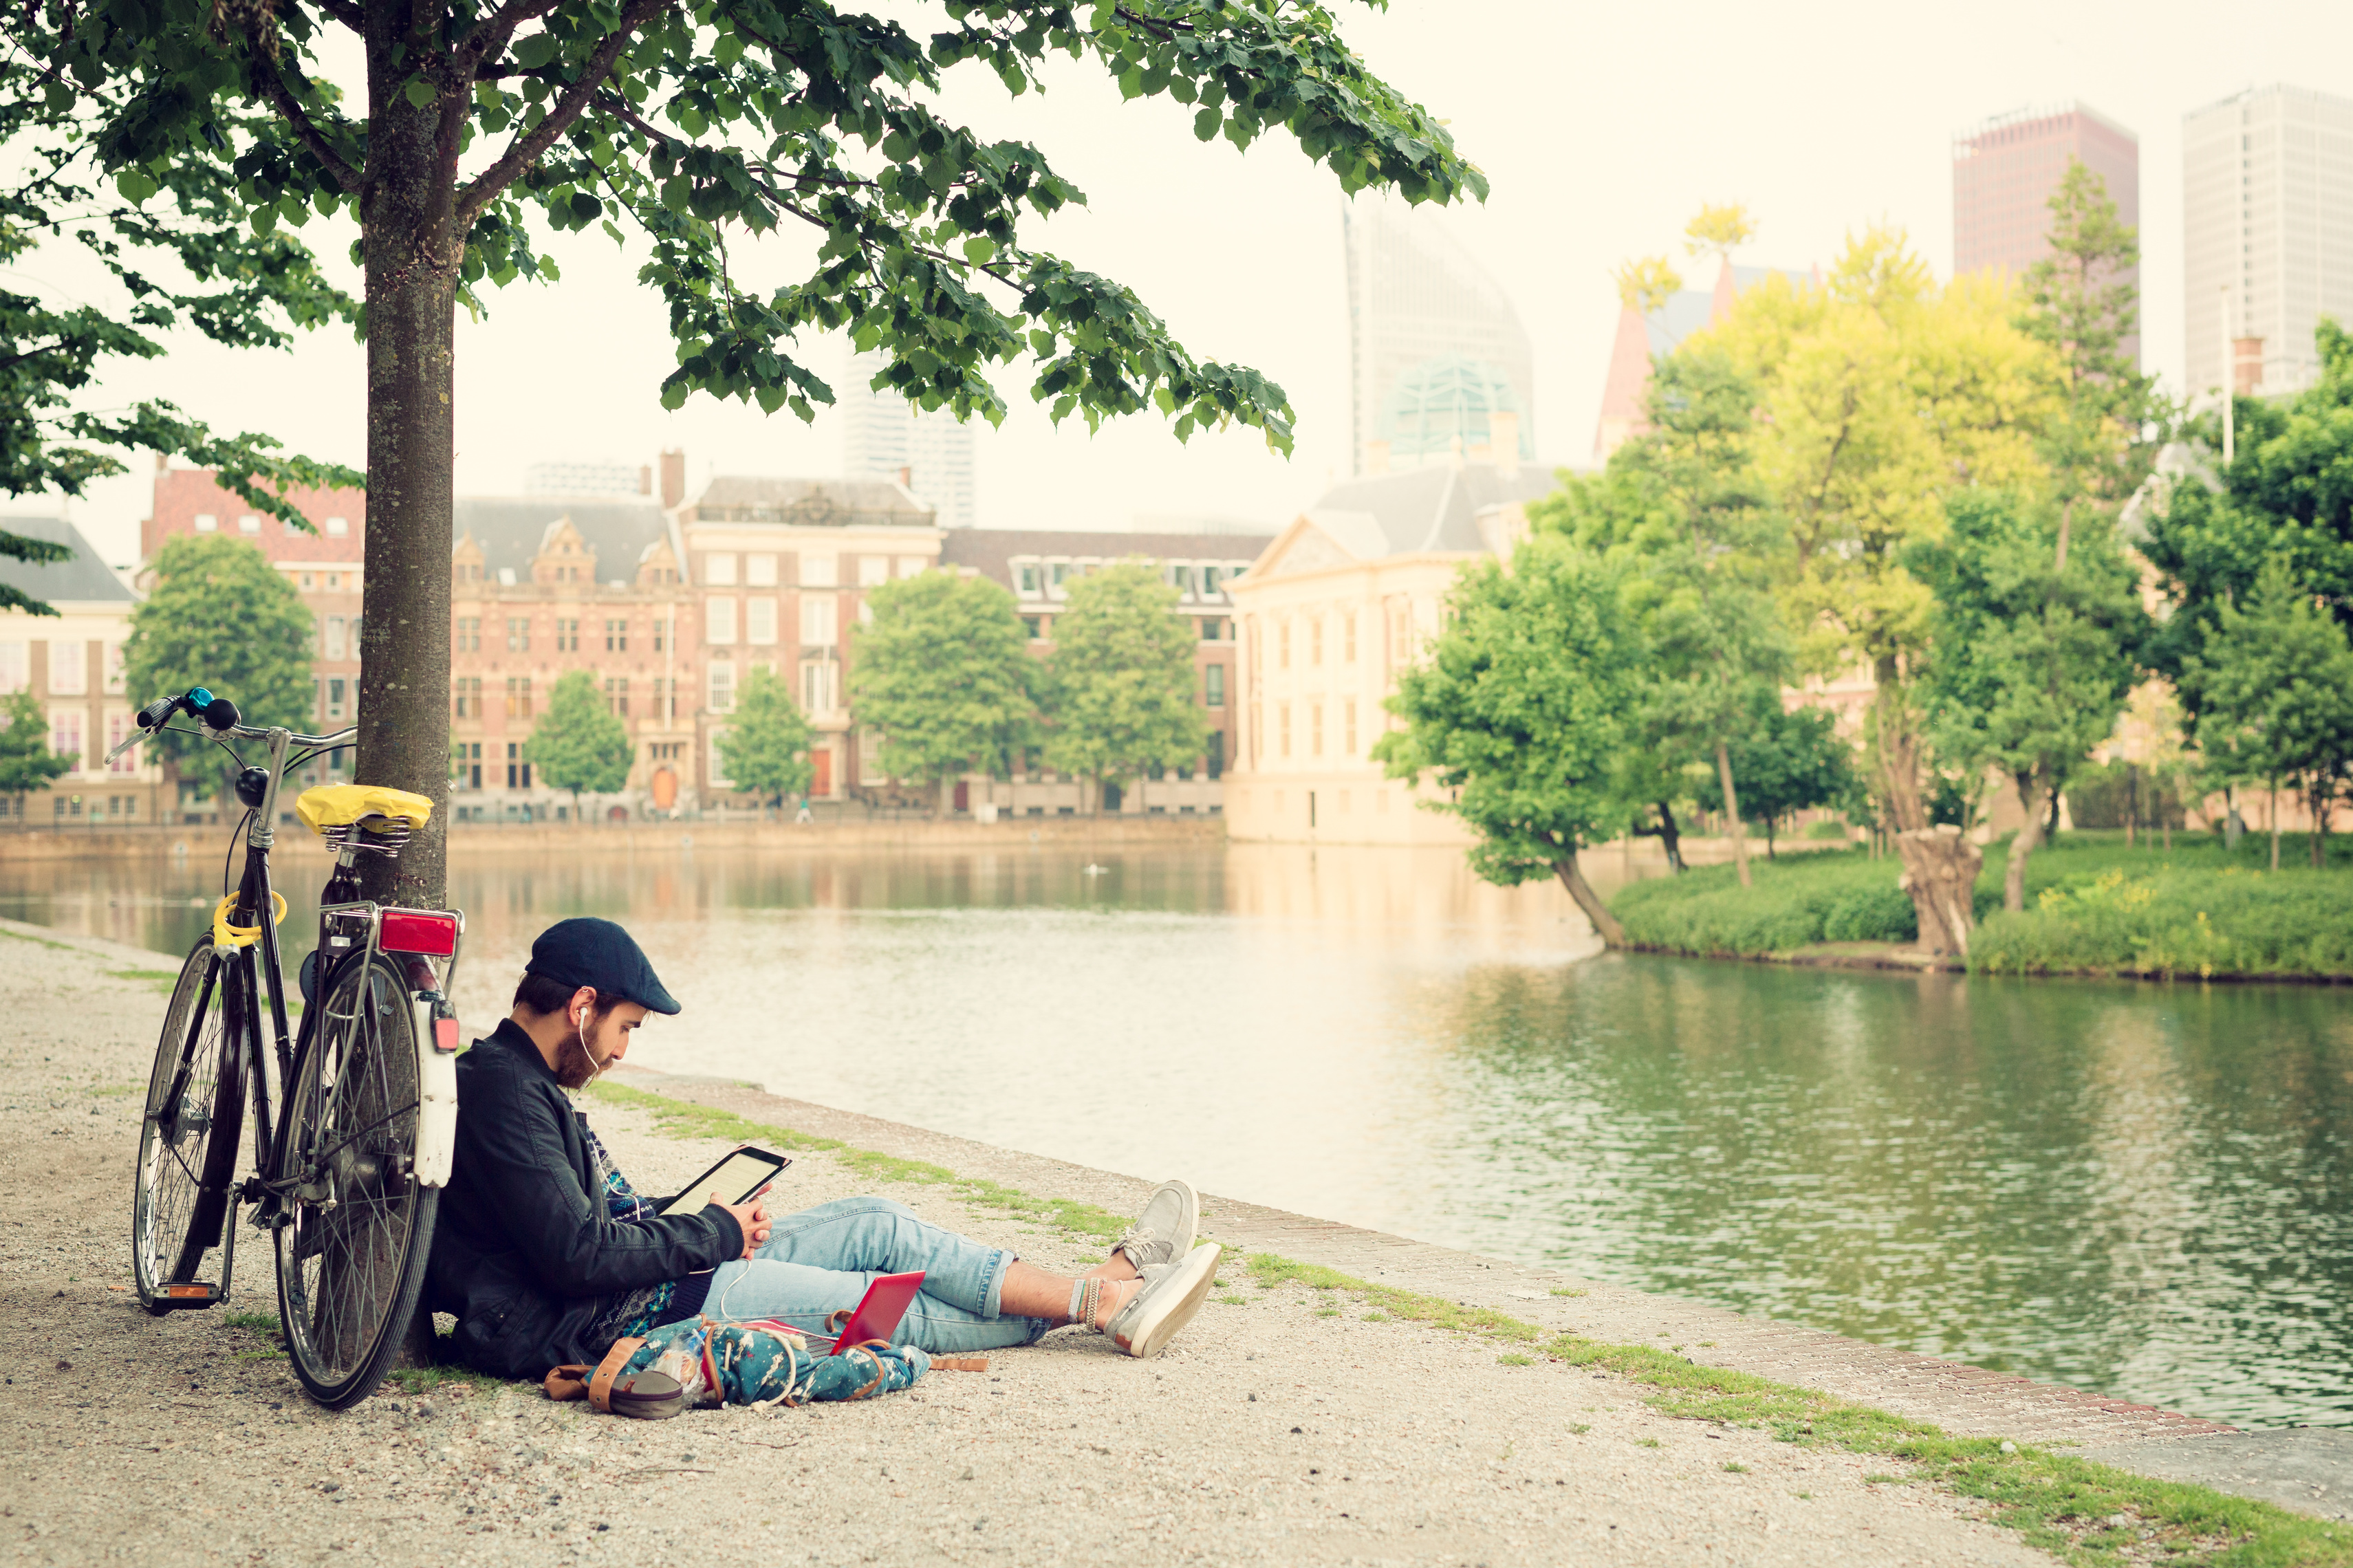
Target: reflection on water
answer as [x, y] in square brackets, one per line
[2142, 1190]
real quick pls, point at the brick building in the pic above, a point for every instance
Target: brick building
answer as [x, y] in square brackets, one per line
[72, 664]
[1036, 565]
[2005, 170]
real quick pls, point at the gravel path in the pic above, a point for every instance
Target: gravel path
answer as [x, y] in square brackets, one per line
[1282, 1426]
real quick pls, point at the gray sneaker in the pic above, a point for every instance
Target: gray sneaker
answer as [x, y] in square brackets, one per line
[1170, 1297]
[1164, 1232]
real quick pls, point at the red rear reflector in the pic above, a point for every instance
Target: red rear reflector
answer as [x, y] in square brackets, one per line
[420, 930]
[444, 1035]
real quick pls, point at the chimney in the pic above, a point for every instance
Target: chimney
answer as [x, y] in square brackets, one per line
[645, 478]
[907, 478]
[1504, 444]
[2247, 366]
[673, 478]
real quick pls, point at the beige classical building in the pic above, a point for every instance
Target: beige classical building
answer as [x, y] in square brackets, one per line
[72, 664]
[1335, 608]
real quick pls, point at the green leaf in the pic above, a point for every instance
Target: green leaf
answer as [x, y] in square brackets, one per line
[535, 51]
[135, 185]
[1205, 123]
[980, 250]
[420, 93]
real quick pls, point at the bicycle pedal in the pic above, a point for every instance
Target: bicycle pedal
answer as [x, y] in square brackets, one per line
[189, 1293]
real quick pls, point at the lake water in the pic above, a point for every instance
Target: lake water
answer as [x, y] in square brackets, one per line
[2142, 1190]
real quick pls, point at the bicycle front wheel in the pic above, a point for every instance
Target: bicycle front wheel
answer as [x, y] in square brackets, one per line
[357, 1225]
[188, 1138]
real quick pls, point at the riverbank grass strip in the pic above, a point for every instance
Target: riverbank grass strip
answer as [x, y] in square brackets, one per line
[2084, 1512]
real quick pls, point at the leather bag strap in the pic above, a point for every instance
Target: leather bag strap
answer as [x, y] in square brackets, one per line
[600, 1385]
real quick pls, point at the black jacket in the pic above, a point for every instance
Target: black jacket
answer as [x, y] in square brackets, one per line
[524, 1252]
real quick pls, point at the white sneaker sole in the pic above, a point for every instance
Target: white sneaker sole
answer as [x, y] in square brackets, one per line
[1174, 1305]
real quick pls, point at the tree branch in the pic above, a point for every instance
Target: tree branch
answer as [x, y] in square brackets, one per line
[343, 11]
[526, 150]
[486, 41]
[273, 88]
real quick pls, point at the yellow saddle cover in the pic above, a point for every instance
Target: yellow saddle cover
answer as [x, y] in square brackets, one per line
[340, 805]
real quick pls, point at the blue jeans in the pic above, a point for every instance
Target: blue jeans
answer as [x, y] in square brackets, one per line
[822, 1259]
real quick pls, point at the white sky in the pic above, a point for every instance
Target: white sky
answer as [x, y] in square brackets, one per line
[1601, 128]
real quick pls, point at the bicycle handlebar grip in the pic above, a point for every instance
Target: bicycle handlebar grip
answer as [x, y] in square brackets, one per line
[221, 714]
[155, 713]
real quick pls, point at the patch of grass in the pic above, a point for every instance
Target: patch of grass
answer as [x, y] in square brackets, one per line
[1560, 1290]
[1327, 1311]
[258, 1355]
[167, 978]
[255, 1322]
[1234, 1301]
[1881, 1479]
[426, 1379]
[2057, 1502]
[1513, 1358]
[1579, 1428]
[1803, 1497]
[1736, 1466]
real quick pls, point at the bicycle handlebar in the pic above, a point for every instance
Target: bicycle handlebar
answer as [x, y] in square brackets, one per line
[220, 715]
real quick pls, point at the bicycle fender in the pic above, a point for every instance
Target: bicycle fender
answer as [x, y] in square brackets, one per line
[436, 1114]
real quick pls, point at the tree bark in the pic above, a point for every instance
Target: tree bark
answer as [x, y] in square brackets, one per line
[407, 227]
[1940, 874]
[2274, 814]
[2028, 839]
[1732, 811]
[1898, 745]
[2322, 799]
[1670, 837]
[1612, 935]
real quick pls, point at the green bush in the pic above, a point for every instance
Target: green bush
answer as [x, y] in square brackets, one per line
[2093, 906]
[1827, 830]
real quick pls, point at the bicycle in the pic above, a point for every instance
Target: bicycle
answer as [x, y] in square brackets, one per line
[346, 1178]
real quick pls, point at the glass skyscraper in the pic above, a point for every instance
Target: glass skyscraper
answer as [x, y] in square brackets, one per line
[883, 433]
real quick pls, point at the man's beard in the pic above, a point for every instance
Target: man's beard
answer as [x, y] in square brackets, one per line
[574, 1067]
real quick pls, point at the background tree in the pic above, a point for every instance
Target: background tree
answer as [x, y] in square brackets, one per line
[1682, 506]
[1719, 229]
[220, 615]
[943, 671]
[764, 748]
[2079, 302]
[189, 260]
[2275, 685]
[1519, 712]
[578, 743]
[27, 764]
[698, 127]
[1788, 760]
[2031, 660]
[1122, 679]
[1645, 283]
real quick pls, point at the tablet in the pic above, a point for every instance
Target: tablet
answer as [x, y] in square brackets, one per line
[734, 1178]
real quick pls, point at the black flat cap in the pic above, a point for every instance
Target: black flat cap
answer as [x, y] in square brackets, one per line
[586, 951]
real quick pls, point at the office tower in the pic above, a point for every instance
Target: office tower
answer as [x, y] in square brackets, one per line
[883, 433]
[2005, 170]
[1434, 346]
[2267, 214]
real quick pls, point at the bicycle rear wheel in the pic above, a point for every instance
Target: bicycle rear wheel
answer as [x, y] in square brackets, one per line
[188, 1138]
[357, 1225]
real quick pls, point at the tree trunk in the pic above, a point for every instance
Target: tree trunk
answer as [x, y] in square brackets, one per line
[412, 257]
[1732, 811]
[2274, 814]
[2066, 518]
[2322, 799]
[2233, 824]
[2028, 839]
[1612, 935]
[1670, 837]
[1940, 874]
[2051, 827]
[1898, 745]
[940, 797]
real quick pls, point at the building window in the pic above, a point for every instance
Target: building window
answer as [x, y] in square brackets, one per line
[69, 668]
[662, 634]
[518, 771]
[1214, 675]
[567, 637]
[1258, 731]
[337, 527]
[1209, 575]
[1181, 579]
[206, 522]
[1283, 718]
[912, 565]
[719, 571]
[759, 571]
[820, 620]
[1216, 628]
[1027, 576]
[467, 770]
[617, 694]
[1316, 729]
[760, 621]
[1036, 627]
[470, 633]
[518, 696]
[818, 570]
[818, 687]
[518, 634]
[717, 773]
[873, 571]
[617, 637]
[466, 697]
[118, 728]
[718, 620]
[13, 674]
[722, 688]
[1217, 753]
[248, 523]
[1283, 645]
[1350, 720]
[336, 696]
[1315, 639]
[1348, 637]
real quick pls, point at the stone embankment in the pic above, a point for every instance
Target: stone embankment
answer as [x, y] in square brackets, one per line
[1295, 1422]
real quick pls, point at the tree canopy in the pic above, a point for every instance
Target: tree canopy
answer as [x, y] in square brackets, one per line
[1519, 713]
[1786, 760]
[944, 672]
[764, 748]
[1121, 694]
[579, 743]
[26, 761]
[206, 583]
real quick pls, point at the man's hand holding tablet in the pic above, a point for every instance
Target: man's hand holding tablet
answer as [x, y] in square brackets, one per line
[737, 1183]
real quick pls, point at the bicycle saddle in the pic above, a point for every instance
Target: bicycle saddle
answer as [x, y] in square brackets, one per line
[341, 806]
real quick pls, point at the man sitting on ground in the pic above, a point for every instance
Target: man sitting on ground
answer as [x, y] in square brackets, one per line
[546, 1256]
